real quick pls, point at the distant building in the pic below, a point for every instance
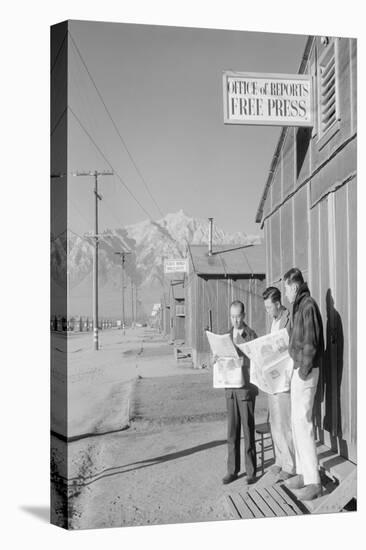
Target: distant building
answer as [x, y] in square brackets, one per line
[165, 314]
[308, 212]
[177, 310]
[213, 283]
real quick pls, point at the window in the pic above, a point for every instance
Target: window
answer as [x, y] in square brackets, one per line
[180, 310]
[327, 91]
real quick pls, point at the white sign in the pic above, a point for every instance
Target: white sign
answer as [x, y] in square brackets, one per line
[271, 366]
[267, 99]
[175, 266]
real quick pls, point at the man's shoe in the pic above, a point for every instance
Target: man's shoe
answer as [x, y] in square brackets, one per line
[285, 475]
[275, 469]
[295, 482]
[229, 478]
[309, 492]
[250, 480]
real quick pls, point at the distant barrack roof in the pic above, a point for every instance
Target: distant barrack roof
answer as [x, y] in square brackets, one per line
[242, 262]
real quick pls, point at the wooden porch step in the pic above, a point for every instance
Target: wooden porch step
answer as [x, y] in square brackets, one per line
[337, 499]
[334, 464]
[267, 501]
[269, 497]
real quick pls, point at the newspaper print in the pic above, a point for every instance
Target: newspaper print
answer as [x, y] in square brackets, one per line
[271, 366]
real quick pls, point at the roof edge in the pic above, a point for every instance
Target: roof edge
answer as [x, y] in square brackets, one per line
[281, 139]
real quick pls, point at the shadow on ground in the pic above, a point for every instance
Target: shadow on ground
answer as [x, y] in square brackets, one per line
[40, 512]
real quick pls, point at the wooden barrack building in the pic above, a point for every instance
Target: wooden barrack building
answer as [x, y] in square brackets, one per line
[213, 283]
[308, 212]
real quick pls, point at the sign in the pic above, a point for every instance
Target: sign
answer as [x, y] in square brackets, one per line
[175, 266]
[267, 99]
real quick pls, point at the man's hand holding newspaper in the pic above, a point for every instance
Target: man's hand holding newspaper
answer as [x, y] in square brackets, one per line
[227, 371]
[270, 364]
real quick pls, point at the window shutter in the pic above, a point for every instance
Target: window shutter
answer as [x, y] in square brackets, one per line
[328, 90]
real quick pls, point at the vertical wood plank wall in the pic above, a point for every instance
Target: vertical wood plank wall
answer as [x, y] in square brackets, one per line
[215, 295]
[310, 222]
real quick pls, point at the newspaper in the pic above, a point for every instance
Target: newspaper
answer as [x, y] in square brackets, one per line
[227, 371]
[221, 345]
[271, 366]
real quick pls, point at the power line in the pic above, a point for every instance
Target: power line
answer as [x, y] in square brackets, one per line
[90, 122]
[116, 128]
[108, 162]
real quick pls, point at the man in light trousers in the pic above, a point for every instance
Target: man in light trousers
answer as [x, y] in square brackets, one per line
[279, 404]
[306, 347]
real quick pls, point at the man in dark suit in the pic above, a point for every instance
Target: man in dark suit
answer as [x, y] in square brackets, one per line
[240, 403]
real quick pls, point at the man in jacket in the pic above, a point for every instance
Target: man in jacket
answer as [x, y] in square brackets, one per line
[279, 404]
[306, 348]
[240, 403]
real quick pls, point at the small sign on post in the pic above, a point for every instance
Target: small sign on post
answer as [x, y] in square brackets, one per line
[175, 266]
[267, 99]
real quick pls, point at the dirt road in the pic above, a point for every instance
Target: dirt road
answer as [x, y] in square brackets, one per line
[167, 467]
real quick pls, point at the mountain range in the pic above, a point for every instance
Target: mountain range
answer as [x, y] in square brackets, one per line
[149, 243]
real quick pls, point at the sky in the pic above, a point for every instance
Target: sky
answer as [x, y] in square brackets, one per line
[163, 89]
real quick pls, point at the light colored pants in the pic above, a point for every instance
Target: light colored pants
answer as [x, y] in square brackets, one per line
[279, 406]
[302, 401]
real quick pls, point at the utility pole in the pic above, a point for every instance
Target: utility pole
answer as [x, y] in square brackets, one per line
[123, 255]
[136, 303]
[96, 236]
[132, 310]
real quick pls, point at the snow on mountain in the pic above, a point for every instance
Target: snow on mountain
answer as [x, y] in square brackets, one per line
[149, 243]
[168, 238]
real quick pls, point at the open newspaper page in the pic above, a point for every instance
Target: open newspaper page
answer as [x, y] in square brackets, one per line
[271, 365]
[227, 371]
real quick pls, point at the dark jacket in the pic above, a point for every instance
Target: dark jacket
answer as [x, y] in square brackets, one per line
[248, 390]
[306, 345]
[285, 321]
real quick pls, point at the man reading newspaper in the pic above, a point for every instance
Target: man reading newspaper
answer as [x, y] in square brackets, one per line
[240, 403]
[279, 403]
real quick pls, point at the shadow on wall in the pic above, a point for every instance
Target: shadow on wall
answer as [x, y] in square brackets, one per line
[329, 388]
[303, 137]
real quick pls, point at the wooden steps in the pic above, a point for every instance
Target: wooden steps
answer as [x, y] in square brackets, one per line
[269, 497]
[259, 502]
[344, 474]
[335, 465]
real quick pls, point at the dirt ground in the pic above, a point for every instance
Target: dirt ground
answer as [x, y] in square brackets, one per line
[167, 467]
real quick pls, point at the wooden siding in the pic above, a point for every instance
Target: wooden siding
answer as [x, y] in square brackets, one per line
[277, 186]
[177, 323]
[276, 246]
[208, 300]
[314, 228]
[301, 229]
[288, 163]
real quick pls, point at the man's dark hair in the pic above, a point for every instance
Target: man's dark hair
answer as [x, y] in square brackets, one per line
[238, 303]
[273, 293]
[293, 275]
